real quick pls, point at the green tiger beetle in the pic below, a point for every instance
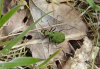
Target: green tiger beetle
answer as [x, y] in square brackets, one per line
[57, 36]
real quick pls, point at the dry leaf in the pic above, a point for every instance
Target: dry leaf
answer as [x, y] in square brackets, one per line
[82, 55]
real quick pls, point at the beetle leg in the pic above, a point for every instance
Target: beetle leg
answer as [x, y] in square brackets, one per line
[66, 29]
[45, 37]
[55, 44]
[60, 48]
[48, 45]
[61, 30]
[51, 29]
[49, 24]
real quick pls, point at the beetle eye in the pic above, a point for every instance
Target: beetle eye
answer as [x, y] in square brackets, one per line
[43, 31]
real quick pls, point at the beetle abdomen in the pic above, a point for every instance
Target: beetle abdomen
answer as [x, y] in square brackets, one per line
[58, 37]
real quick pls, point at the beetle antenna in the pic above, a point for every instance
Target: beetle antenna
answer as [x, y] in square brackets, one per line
[49, 24]
[41, 20]
[41, 26]
[57, 20]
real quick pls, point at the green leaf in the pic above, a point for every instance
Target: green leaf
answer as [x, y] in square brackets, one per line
[20, 62]
[14, 41]
[8, 15]
[46, 61]
[1, 3]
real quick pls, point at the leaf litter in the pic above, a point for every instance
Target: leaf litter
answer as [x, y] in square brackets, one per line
[65, 18]
[73, 28]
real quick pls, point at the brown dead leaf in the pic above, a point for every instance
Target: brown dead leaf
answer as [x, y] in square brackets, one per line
[4, 11]
[15, 23]
[82, 55]
[5, 6]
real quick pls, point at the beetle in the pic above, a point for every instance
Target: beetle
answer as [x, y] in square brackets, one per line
[55, 36]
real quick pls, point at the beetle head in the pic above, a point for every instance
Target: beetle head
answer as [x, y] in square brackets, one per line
[43, 31]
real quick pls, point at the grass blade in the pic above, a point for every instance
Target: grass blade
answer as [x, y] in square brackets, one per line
[8, 15]
[1, 3]
[25, 4]
[92, 4]
[98, 7]
[20, 62]
[46, 61]
[14, 41]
